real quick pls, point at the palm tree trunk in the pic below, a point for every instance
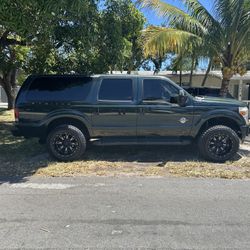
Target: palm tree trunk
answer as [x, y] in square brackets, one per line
[157, 63]
[224, 87]
[207, 72]
[192, 71]
[181, 75]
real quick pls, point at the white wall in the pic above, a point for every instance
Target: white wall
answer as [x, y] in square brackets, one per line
[3, 97]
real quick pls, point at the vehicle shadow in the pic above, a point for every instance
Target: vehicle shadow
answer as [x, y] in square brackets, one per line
[17, 156]
[141, 154]
[21, 158]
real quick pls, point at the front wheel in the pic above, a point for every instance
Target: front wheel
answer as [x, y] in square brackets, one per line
[66, 143]
[219, 144]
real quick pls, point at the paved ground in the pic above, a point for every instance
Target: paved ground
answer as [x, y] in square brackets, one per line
[98, 213]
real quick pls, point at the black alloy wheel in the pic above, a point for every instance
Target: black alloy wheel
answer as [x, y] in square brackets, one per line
[219, 143]
[66, 143]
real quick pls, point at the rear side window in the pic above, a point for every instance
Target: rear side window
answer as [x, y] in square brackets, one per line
[116, 90]
[59, 89]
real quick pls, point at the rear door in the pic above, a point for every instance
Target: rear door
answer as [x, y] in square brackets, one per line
[158, 117]
[116, 110]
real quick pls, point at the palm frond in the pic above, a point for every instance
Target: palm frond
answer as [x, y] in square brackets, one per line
[198, 11]
[174, 15]
[160, 40]
[224, 10]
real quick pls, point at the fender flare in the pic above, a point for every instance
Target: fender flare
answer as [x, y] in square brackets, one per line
[70, 114]
[222, 113]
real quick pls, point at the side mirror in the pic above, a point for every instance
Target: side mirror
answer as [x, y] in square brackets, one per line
[182, 98]
[174, 99]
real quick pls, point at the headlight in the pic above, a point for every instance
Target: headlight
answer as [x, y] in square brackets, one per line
[243, 111]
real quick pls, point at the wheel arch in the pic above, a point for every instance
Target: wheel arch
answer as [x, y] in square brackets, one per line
[219, 120]
[79, 123]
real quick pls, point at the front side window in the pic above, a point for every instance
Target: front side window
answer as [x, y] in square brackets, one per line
[155, 89]
[116, 90]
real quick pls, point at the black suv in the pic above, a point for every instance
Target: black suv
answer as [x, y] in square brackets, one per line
[70, 111]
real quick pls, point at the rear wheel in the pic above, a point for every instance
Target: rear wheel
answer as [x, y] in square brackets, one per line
[219, 144]
[66, 143]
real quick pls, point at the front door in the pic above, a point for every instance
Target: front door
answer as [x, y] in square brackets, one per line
[117, 111]
[158, 115]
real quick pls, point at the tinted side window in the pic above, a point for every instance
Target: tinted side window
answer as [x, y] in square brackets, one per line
[116, 90]
[158, 89]
[59, 89]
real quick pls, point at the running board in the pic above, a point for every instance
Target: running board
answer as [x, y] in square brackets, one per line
[116, 141]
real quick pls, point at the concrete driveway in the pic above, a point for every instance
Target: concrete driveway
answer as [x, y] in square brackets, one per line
[124, 213]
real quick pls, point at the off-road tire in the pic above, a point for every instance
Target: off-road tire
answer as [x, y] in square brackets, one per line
[66, 143]
[209, 142]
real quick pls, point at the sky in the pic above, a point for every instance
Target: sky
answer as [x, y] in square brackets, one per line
[153, 19]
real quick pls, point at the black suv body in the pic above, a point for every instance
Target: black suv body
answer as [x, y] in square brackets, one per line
[68, 111]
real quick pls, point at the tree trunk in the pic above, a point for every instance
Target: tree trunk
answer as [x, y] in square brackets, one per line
[181, 71]
[10, 92]
[192, 71]
[207, 72]
[11, 98]
[8, 83]
[157, 63]
[180, 75]
[224, 87]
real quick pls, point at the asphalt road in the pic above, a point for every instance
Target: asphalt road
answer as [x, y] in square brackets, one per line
[105, 213]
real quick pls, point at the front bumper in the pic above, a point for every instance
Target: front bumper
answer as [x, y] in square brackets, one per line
[245, 130]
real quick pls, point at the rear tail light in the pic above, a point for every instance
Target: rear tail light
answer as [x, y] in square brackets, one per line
[16, 112]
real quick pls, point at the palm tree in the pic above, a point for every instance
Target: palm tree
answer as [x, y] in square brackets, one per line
[225, 33]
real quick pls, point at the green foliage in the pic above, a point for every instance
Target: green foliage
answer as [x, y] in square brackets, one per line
[67, 36]
[180, 63]
[223, 34]
[121, 48]
[73, 36]
[96, 41]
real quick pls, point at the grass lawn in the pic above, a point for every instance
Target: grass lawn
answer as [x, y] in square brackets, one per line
[21, 157]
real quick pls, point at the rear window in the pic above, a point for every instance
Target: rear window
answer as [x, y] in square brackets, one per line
[59, 89]
[116, 90]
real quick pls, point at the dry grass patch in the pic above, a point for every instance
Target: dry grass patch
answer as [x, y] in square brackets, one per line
[21, 157]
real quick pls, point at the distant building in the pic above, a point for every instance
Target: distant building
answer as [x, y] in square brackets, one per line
[238, 88]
